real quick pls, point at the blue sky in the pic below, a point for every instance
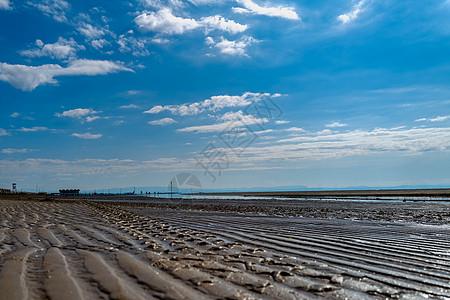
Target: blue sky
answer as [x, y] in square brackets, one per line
[241, 93]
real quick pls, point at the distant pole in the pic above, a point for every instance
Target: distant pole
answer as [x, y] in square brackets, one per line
[171, 190]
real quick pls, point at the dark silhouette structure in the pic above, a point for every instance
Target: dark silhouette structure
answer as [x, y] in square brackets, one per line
[74, 192]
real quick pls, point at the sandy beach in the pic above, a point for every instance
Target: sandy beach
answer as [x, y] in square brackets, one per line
[78, 249]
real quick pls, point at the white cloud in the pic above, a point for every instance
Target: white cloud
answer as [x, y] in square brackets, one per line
[136, 46]
[164, 22]
[323, 145]
[220, 23]
[99, 44]
[228, 121]
[118, 122]
[282, 122]
[335, 125]
[159, 4]
[325, 131]
[160, 41]
[3, 132]
[52, 8]
[61, 49]
[129, 106]
[133, 92]
[87, 136]
[439, 119]
[90, 31]
[251, 7]
[27, 78]
[13, 151]
[163, 122]
[77, 113]
[295, 129]
[83, 114]
[353, 14]
[33, 129]
[206, 2]
[91, 167]
[92, 118]
[15, 115]
[5, 4]
[237, 47]
[436, 119]
[215, 103]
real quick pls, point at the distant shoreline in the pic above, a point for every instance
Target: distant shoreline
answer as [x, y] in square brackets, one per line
[381, 194]
[433, 193]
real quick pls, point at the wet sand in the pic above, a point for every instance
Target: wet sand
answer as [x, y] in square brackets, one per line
[62, 249]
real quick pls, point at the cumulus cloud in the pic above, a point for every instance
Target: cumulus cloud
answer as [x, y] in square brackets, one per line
[213, 104]
[237, 47]
[163, 21]
[13, 151]
[3, 132]
[99, 44]
[335, 125]
[87, 136]
[56, 9]
[163, 122]
[83, 114]
[159, 4]
[295, 129]
[353, 14]
[61, 49]
[5, 4]
[282, 122]
[251, 7]
[90, 32]
[228, 121]
[27, 78]
[218, 22]
[92, 118]
[136, 46]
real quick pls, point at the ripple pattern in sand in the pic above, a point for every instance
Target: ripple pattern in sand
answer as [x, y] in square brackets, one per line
[79, 250]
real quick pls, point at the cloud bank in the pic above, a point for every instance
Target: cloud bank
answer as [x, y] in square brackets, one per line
[250, 7]
[212, 104]
[27, 78]
[61, 49]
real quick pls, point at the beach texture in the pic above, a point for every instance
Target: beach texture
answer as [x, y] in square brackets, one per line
[84, 250]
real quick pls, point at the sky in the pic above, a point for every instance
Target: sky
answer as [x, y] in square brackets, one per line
[240, 93]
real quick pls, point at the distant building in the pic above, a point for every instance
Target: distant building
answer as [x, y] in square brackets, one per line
[75, 192]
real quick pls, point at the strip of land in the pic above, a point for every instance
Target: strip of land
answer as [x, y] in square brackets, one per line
[432, 193]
